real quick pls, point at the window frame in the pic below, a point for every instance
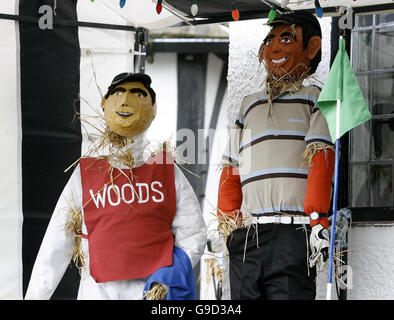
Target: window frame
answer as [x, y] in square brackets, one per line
[362, 214]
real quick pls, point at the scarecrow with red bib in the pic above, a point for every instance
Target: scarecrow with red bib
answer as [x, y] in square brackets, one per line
[130, 220]
[275, 185]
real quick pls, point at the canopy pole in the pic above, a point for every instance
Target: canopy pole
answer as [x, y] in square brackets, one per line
[141, 40]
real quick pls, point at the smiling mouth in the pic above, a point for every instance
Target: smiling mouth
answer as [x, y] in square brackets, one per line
[124, 114]
[278, 61]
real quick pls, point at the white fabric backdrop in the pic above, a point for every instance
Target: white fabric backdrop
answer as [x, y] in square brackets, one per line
[10, 165]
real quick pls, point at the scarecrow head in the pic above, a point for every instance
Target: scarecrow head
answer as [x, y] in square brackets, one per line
[129, 105]
[293, 45]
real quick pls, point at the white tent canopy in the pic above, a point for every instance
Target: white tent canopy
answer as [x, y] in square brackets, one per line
[143, 13]
[137, 13]
[301, 5]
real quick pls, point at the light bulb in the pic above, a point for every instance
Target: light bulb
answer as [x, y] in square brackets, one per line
[318, 9]
[194, 9]
[272, 15]
[159, 7]
[234, 11]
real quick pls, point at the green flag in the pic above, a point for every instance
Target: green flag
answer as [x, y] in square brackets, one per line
[342, 84]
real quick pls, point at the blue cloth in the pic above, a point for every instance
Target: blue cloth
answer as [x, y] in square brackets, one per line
[179, 277]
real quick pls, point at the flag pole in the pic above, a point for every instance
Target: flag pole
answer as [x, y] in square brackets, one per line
[342, 91]
[334, 210]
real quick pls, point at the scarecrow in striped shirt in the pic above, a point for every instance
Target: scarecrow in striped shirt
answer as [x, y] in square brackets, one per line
[275, 185]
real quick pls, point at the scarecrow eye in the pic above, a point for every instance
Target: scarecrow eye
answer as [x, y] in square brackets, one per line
[138, 92]
[286, 40]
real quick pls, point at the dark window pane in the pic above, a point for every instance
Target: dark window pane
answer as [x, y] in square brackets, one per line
[362, 49]
[381, 186]
[382, 138]
[359, 142]
[364, 20]
[383, 91]
[384, 52]
[359, 186]
[385, 18]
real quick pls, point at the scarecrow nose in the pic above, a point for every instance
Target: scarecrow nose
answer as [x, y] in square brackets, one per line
[276, 49]
[124, 101]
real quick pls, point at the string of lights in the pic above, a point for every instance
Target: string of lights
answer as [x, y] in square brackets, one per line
[275, 7]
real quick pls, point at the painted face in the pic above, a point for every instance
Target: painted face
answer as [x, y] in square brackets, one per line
[129, 110]
[283, 51]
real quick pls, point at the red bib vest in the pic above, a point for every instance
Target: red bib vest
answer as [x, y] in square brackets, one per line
[128, 219]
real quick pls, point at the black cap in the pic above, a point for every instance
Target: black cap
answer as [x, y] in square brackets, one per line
[132, 77]
[298, 18]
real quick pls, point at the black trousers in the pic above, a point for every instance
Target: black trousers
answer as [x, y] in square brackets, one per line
[275, 265]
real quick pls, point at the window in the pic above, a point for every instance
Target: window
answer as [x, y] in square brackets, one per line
[371, 143]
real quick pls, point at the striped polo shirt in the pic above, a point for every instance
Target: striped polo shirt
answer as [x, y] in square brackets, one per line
[267, 146]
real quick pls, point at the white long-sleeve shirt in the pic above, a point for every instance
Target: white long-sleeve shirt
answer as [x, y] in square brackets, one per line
[55, 253]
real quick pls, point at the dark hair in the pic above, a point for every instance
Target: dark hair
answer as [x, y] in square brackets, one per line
[309, 31]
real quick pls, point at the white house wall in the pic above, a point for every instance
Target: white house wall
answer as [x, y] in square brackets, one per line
[372, 262]
[210, 201]
[163, 72]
